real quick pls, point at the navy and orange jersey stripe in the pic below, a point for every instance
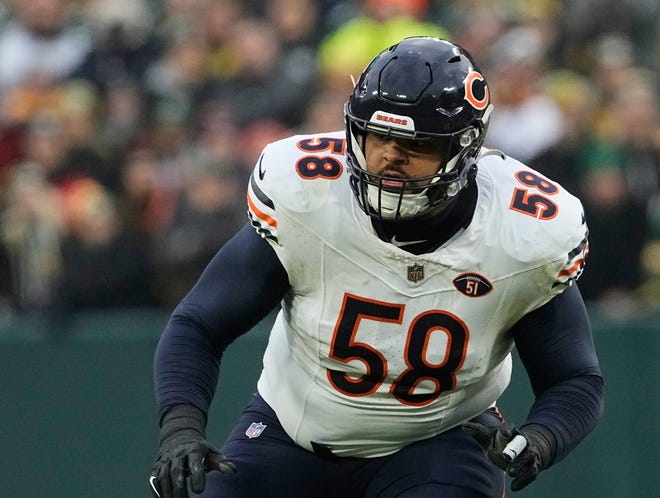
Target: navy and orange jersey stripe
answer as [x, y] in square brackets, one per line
[261, 211]
[575, 263]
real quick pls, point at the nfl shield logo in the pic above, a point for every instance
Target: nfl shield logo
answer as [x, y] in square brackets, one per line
[255, 429]
[415, 273]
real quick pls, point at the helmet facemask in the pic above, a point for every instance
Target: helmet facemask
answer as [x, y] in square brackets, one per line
[412, 198]
[423, 90]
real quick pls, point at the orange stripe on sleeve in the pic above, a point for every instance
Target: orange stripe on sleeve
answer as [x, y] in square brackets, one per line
[572, 269]
[261, 215]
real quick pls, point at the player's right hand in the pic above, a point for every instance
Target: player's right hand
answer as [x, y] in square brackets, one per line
[185, 463]
[185, 456]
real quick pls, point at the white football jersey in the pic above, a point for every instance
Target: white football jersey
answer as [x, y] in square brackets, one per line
[375, 347]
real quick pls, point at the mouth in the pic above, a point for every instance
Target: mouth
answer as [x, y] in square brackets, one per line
[392, 180]
[391, 183]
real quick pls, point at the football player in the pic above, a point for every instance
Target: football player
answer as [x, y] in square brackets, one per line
[408, 261]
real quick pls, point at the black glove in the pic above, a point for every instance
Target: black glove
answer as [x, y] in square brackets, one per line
[522, 464]
[184, 453]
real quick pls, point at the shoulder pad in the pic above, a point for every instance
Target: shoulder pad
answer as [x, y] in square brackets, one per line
[291, 175]
[537, 221]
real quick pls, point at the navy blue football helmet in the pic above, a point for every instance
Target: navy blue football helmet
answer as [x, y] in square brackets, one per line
[422, 89]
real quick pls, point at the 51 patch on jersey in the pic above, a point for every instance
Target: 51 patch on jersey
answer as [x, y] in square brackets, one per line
[472, 284]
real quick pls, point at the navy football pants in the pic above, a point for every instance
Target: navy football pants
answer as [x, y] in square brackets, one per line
[450, 465]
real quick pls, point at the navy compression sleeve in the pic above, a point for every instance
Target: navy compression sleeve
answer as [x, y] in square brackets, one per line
[243, 282]
[556, 347]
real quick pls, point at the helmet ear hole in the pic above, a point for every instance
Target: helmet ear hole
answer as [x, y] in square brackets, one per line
[468, 137]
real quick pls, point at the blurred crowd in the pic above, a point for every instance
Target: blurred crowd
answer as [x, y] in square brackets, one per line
[128, 128]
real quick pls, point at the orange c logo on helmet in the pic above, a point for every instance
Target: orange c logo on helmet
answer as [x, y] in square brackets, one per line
[479, 104]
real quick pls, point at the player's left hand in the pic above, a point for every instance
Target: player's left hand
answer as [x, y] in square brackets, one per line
[513, 450]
